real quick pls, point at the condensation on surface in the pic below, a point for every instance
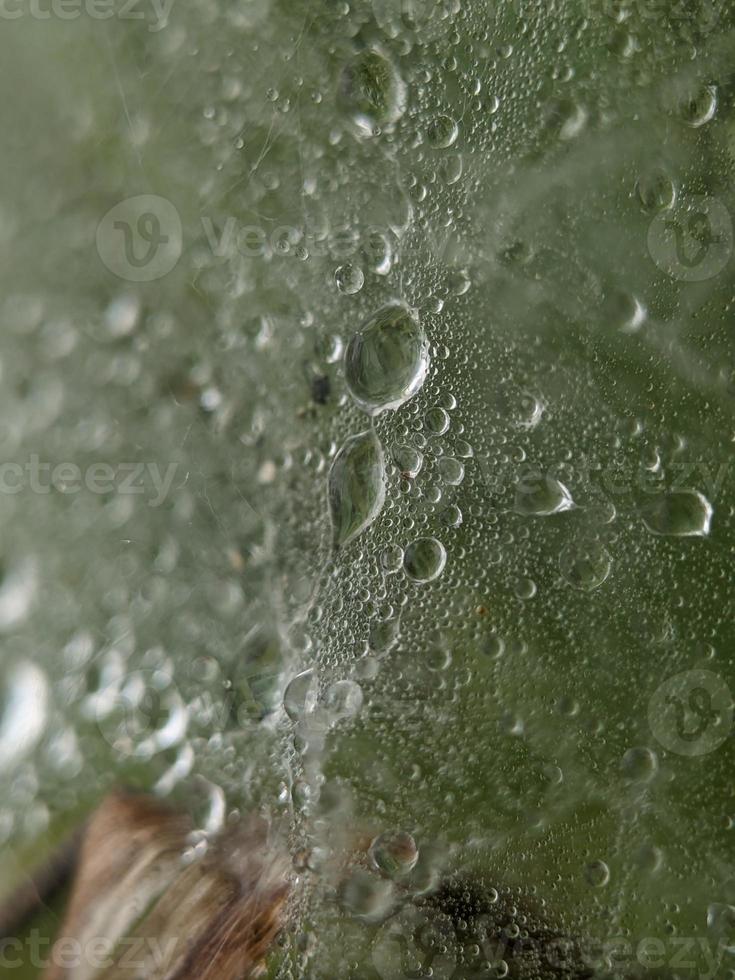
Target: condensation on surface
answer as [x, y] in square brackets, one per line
[454, 293]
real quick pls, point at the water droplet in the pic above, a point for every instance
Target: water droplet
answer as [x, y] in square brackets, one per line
[394, 853]
[585, 564]
[442, 132]
[372, 91]
[384, 635]
[343, 700]
[656, 191]
[349, 278]
[356, 486]
[525, 588]
[378, 250]
[424, 559]
[436, 420]
[300, 696]
[408, 460]
[391, 558]
[540, 496]
[597, 874]
[639, 764]
[681, 513]
[387, 359]
[721, 922]
[451, 471]
[701, 108]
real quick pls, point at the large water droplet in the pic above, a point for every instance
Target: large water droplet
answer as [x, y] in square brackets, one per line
[387, 359]
[372, 91]
[356, 486]
[442, 132]
[424, 559]
[585, 564]
[394, 853]
[300, 696]
[540, 496]
[597, 874]
[682, 513]
[639, 764]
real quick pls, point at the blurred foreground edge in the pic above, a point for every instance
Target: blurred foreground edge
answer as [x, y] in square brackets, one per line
[137, 909]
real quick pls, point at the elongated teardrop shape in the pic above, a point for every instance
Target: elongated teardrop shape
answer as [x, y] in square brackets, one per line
[356, 486]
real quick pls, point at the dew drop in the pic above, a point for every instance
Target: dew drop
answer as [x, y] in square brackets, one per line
[585, 565]
[408, 460]
[541, 496]
[387, 359]
[442, 132]
[349, 278]
[656, 191]
[394, 853]
[701, 108]
[300, 696]
[372, 91]
[451, 471]
[343, 700]
[597, 874]
[681, 514]
[356, 486]
[424, 559]
[639, 764]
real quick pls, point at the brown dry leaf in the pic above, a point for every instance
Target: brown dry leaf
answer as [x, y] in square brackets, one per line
[136, 911]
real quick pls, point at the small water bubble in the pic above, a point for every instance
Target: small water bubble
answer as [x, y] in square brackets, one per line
[525, 588]
[700, 108]
[585, 564]
[451, 471]
[442, 132]
[408, 460]
[424, 559]
[394, 853]
[639, 764]
[349, 278]
[343, 700]
[597, 874]
[391, 558]
[656, 191]
[436, 421]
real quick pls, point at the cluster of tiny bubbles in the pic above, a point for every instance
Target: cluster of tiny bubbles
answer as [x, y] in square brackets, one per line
[350, 553]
